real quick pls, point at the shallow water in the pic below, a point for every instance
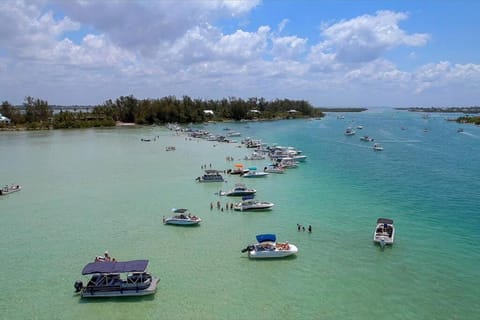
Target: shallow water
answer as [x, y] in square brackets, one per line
[85, 191]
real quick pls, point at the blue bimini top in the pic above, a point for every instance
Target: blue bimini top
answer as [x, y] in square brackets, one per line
[266, 238]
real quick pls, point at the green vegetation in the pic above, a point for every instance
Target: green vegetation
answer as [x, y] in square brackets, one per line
[473, 109]
[469, 119]
[39, 115]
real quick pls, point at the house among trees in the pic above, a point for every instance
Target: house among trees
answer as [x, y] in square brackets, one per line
[292, 111]
[4, 120]
[255, 111]
[208, 112]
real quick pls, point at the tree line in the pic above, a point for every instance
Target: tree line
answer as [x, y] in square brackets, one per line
[37, 114]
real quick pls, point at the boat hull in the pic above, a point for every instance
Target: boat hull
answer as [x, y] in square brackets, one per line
[255, 175]
[240, 193]
[6, 191]
[120, 291]
[182, 222]
[272, 254]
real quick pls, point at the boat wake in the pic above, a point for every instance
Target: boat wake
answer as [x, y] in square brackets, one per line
[470, 135]
[401, 141]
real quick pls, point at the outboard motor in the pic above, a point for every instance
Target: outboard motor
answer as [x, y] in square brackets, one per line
[249, 248]
[78, 286]
[382, 242]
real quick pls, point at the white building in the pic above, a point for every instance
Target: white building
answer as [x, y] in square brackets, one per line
[208, 112]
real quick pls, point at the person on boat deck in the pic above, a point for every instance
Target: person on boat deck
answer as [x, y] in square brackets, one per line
[106, 256]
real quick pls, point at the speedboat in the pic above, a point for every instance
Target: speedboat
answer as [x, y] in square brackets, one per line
[10, 189]
[268, 247]
[384, 232]
[274, 169]
[377, 147]
[117, 279]
[240, 190]
[349, 131]
[182, 217]
[250, 204]
[211, 176]
[255, 156]
[366, 139]
[253, 173]
[287, 163]
[239, 169]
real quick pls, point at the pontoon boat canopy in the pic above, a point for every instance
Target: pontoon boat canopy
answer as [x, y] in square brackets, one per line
[115, 267]
[182, 210]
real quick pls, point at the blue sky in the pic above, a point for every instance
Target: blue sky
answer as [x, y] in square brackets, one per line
[330, 53]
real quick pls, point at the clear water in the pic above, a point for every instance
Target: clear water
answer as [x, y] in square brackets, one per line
[86, 191]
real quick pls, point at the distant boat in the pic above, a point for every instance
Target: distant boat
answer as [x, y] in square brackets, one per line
[349, 131]
[366, 139]
[268, 247]
[274, 169]
[10, 189]
[250, 204]
[377, 147]
[384, 232]
[253, 173]
[117, 279]
[182, 217]
[240, 190]
[211, 176]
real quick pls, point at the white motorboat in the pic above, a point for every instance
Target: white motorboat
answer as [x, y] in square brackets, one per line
[234, 134]
[250, 204]
[349, 131]
[10, 189]
[211, 176]
[239, 169]
[117, 279]
[182, 217]
[240, 190]
[274, 169]
[287, 163]
[255, 156]
[366, 139]
[268, 247]
[253, 173]
[384, 232]
[377, 147]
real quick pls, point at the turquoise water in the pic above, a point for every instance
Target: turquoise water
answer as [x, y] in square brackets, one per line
[86, 191]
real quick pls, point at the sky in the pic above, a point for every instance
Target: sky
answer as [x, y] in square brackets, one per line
[343, 53]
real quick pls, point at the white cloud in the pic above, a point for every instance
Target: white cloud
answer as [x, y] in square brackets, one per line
[289, 47]
[156, 48]
[242, 46]
[444, 74]
[367, 37]
[282, 25]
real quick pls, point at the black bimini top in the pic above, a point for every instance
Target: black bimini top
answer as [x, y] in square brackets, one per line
[115, 266]
[385, 220]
